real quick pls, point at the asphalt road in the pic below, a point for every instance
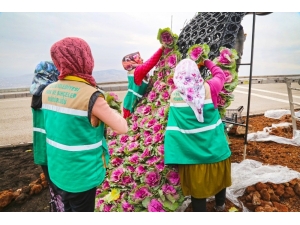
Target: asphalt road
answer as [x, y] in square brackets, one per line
[16, 117]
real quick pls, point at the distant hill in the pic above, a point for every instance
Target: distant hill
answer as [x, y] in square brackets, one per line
[24, 81]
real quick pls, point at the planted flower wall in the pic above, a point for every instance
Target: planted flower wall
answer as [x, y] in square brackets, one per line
[137, 179]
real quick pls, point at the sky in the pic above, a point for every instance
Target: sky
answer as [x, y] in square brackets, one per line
[27, 34]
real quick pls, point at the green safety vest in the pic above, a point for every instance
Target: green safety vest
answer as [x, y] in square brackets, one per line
[188, 141]
[77, 151]
[134, 93]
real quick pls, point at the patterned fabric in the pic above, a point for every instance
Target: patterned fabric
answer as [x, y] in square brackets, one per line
[190, 84]
[73, 56]
[45, 73]
[131, 61]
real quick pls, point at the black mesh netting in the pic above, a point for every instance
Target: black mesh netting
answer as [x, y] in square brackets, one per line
[217, 29]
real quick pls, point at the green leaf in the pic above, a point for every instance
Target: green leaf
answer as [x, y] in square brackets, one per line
[145, 202]
[171, 206]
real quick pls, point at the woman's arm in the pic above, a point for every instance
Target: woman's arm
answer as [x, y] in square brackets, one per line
[216, 83]
[109, 116]
[142, 70]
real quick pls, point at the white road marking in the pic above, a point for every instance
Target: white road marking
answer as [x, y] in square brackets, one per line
[271, 92]
[262, 96]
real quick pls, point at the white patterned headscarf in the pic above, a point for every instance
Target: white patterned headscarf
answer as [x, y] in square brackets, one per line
[190, 84]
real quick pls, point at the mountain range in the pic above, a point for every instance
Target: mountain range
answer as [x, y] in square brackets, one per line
[24, 81]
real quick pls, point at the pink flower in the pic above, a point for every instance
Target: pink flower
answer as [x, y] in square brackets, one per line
[151, 123]
[160, 149]
[147, 133]
[127, 207]
[158, 137]
[113, 142]
[147, 110]
[143, 121]
[172, 61]
[151, 96]
[110, 151]
[168, 189]
[126, 180]
[224, 57]
[134, 158]
[121, 149]
[116, 174]
[148, 141]
[152, 160]
[107, 208]
[167, 38]
[152, 178]
[160, 165]
[170, 81]
[124, 138]
[195, 53]
[166, 95]
[130, 168]
[155, 206]
[116, 98]
[161, 112]
[140, 109]
[99, 203]
[145, 154]
[162, 63]
[116, 162]
[173, 177]
[132, 146]
[141, 193]
[157, 127]
[140, 170]
[167, 51]
[134, 117]
[105, 185]
[157, 103]
[135, 126]
[160, 75]
[220, 101]
[228, 76]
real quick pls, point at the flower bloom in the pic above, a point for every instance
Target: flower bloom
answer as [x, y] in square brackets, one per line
[151, 96]
[152, 160]
[151, 123]
[113, 142]
[107, 207]
[167, 38]
[134, 117]
[140, 170]
[110, 151]
[158, 137]
[127, 207]
[145, 154]
[228, 76]
[172, 61]
[126, 180]
[116, 162]
[105, 185]
[134, 158]
[152, 178]
[161, 112]
[168, 189]
[147, 110]
[157, 127]
[130, 168]
[132, 146]
[160, 165]
[195, 53]
[116, 98]
[124, 138]
[135, 126]
[166, 95]
[224, 57]
[148, 141]
[116, 174]
[121, 149]
[155, 206]
[173, 177]
[141, 193]
[99, 203]
[220, 101]
[147, 133]
[161, 149]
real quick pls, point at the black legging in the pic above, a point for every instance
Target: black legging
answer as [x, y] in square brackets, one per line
[199, 204]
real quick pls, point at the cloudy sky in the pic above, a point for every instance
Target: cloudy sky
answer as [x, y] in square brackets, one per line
[26, 37]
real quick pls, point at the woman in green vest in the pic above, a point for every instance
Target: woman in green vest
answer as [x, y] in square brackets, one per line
[45, 73]
[137, 78]
[195, 138]
[75, 114]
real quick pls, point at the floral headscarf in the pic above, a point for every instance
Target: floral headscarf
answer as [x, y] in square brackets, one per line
[45, 73]
[131, 61]
[73, 56]
[190, 84]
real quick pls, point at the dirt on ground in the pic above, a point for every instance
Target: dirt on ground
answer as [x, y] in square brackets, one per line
[18, 172]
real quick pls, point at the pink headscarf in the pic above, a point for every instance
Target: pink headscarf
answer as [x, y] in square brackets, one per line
[73, 56]
[190, 84]
[131, 61]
